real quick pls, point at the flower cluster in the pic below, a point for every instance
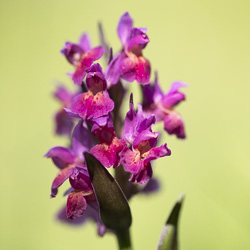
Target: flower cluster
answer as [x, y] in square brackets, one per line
[134, 145]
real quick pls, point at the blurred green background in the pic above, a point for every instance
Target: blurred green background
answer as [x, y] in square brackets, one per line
[204, 43]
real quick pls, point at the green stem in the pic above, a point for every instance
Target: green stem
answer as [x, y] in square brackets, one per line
[123, 238]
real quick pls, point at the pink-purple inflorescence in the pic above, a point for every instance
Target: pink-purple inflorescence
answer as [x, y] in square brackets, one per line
[88, 118]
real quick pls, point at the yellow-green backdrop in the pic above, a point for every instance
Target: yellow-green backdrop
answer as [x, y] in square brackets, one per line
[205, 43]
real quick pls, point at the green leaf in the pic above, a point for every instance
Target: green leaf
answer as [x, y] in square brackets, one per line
[114, 208]
[168, 239]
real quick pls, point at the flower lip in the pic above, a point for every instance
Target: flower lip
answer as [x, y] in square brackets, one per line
[76, 205]
[107, 151]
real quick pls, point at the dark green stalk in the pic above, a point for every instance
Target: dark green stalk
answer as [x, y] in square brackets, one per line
[124, 241]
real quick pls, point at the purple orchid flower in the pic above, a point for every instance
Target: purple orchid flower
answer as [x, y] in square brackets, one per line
[81, 56]
[162, 105]
[63, 122]
[73, 167]
[138, 133]
[91, 213]
[107, 152]
[130, 63]
[96, 102]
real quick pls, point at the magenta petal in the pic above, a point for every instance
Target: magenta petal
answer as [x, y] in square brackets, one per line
[80, 180]
[124, 27]
[128, 67]
[144, 123]
[113, 69]
[63, 95]
[130, 125]
[72, 52]
[146, 136]
[140, 39]
[70, 113]
[103, 129]
[94, 54]
[96, 67]
[81, 140]
[61, 156]
[63, 175]
[101, 105]
[172, 100]
[101, 153]
[144, 175]
[80, 72]
[174, 124]
[96, 82]
[157, 89]
[88, 58]
[108, 155]
[155, 153]
[173, 97]
[143, 71]
[88, 106]
[130, 160]
[80, 104]
[64, 123]
[76, 205]
[84, 42]
[136, 123]
[152, 93]
[176, 86]
[62, 217]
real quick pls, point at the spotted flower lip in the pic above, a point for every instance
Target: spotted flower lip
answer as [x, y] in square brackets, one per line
[130, 63]
[76, 199]
[96, 102]
[81, 56]
[162, 105]
[91, 213]
[107, 151]
[138, 133]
